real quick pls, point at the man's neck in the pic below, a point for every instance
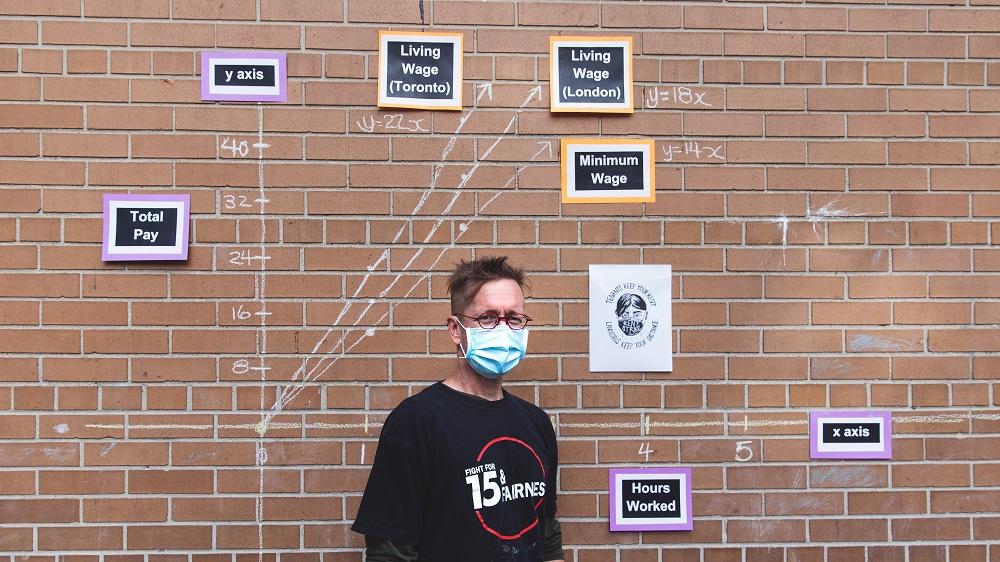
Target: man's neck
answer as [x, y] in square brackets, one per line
[466, 380]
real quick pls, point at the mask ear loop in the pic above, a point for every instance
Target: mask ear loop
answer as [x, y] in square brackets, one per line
[460, 346]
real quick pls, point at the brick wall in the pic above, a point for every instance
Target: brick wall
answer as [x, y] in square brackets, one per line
[832, 240]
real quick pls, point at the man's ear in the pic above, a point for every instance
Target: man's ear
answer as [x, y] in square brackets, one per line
[454, 330]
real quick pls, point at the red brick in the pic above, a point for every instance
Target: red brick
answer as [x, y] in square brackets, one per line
[135, 9]
[806, 19]
[172, 35]
[62, 32]
[844, 530]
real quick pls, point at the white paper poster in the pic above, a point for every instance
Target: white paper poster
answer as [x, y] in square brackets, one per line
[630, 322]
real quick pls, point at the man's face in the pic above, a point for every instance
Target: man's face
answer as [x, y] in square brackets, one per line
[500, 297]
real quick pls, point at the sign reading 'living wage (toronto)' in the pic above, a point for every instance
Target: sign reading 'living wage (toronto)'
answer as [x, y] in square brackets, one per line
[608, 171]
[650, 499]
[244, 76]
[420, 70]
[146, 227]
[591, 74]
[850, 435]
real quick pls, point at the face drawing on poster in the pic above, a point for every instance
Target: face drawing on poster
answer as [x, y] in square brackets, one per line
[631, 311]
[630, 319]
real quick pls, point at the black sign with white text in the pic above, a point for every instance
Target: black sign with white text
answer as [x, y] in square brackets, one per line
[617, 171]
[851, 432]
[420, 70]
[644, 498]
[847, 434]
[591, 74]
[146, 227]
[244, 75]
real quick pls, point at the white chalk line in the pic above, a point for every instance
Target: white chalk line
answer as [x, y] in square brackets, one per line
[261, 282]
[280, 402]
[385, 254]
[933, 418]
[286, 396]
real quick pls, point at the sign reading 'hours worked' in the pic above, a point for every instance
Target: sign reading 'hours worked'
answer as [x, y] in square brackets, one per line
[591, 74]
[650, 499]
[608, 171]
[850, 435]
[146, 227]
[420, 70]
[244, 76]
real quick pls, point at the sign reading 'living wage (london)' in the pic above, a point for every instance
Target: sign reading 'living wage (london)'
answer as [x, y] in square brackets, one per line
[244, 76]
[850, 435]
[146, 227]
[420, 70]
[608, 171]
[650, 499]
[591, 74]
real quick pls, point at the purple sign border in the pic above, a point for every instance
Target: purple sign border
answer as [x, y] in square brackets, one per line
[184, 218]
[814, 434]
[667, 471]
[281, 75]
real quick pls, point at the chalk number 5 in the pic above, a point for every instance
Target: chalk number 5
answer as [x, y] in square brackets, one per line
[743, 451]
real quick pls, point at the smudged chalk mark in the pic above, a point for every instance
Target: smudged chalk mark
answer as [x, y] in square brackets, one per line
[867, 342]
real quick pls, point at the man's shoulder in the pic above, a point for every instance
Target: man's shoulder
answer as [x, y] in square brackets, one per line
[537, 414]
[419, 404]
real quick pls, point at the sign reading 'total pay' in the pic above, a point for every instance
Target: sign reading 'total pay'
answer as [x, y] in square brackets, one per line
[146, 227]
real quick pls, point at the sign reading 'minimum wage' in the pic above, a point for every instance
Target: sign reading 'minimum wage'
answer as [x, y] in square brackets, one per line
[608, 171]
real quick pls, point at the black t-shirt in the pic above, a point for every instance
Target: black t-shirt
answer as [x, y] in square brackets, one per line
[462, 478]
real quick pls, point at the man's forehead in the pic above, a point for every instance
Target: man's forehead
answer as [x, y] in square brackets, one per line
[499, 294]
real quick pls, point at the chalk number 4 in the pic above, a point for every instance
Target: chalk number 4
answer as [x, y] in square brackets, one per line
[646, 451]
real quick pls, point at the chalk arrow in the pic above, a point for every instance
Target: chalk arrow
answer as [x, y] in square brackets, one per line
[536, 91]
[546, 146]
[484, 90]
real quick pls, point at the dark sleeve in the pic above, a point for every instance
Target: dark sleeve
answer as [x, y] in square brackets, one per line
[552, 534]
[393, 504]
[551, 480]
[381, 550]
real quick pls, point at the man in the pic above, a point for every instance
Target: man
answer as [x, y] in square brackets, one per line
[464, 471]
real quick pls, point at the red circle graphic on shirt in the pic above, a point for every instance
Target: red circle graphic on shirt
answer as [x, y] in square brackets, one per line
[540, 465]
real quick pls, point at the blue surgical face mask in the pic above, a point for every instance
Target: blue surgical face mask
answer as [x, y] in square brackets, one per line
[493, 353]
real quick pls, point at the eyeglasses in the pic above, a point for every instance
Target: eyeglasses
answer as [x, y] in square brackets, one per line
[490, 320]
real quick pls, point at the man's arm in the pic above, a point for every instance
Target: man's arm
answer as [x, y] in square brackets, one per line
[382, 550]
[552, 549]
